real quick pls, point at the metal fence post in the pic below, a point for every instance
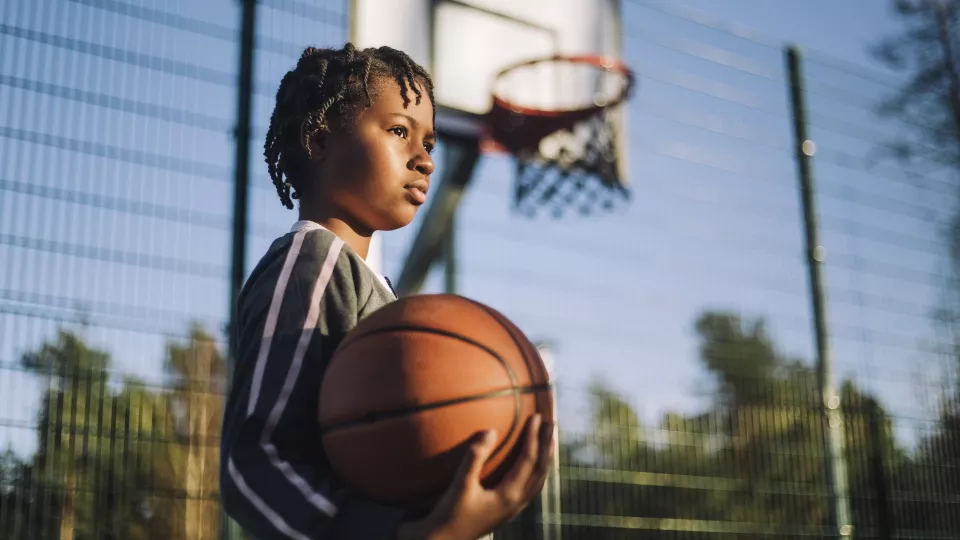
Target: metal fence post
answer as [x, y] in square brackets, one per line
[230, 530]
[815, 254]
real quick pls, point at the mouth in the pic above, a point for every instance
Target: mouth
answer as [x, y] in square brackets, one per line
[417, 192]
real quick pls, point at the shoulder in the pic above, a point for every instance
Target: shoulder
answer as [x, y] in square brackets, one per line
[349, 265]
[344, 284]
[327, 269]
[334, 266]
[302, 267]
[298, 255]
[315, 266]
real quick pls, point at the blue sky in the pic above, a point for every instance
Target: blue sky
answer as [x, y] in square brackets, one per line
[714, 223]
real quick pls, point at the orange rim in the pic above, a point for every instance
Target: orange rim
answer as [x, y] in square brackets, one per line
[601, 62]
[495, 139]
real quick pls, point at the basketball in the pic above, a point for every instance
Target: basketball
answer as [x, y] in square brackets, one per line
[410, 386]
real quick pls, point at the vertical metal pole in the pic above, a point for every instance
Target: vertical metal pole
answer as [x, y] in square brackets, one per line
[550, 511]
[829, 399]
[460, 157]
[241, 180]
[229, 528]
[450, 258]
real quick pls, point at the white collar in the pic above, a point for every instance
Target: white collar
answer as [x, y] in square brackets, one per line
[306, 225]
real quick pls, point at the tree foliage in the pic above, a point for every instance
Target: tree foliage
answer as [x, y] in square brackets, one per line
[927, 51]
[750, 464]
[118, 459]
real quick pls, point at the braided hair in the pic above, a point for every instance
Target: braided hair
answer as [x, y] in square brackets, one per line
[329, 85]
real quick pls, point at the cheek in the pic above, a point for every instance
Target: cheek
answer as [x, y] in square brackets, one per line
[368, 167]
[384, 162]
[349, 165]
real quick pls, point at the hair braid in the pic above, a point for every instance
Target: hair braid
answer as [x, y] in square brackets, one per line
[271, 146]
[329, 85]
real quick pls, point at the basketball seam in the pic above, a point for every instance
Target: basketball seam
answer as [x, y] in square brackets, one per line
[444, 333]
[373, 418]
[437, 331]
[491, 352]
[496, 316]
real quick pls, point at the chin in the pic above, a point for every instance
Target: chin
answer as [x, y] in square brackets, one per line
[397, 220]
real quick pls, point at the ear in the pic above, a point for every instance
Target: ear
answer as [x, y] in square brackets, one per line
[313, 142]
[317, 146]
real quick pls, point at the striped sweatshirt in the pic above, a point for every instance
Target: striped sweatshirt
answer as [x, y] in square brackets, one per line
[307, 291]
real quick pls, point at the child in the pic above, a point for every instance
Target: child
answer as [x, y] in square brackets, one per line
[350, 138]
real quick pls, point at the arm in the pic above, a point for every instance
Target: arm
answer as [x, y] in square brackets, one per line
[275, 480]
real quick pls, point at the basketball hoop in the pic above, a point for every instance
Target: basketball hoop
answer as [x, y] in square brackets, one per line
[558, 116]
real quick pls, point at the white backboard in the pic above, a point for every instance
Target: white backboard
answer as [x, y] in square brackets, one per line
[464, 43]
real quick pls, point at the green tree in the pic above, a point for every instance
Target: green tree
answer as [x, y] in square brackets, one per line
[927, 51]
[16, 521]
[198, 377]
[100, 460]
[118, 459]
[750, 462]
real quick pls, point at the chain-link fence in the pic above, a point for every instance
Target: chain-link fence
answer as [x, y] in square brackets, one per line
[683, 327]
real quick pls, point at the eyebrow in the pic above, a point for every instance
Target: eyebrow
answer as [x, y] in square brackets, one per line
[430, 135]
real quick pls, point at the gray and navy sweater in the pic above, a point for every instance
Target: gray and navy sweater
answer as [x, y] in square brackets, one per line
[305, 294]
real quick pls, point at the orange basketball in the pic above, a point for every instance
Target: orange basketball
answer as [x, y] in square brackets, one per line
[413, 382]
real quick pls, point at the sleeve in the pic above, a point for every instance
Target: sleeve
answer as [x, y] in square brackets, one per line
[276, 482]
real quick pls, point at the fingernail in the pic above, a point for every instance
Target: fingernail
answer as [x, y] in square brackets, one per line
[490, 436]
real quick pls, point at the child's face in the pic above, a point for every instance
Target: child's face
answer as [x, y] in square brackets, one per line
[376, 174]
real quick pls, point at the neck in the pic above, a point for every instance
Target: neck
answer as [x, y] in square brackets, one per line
[358, 240]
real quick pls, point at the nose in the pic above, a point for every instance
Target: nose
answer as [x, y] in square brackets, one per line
[422, 163]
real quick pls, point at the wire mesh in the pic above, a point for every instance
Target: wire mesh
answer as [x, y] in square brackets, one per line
[688, 397]
[690, 310]
[117, 134]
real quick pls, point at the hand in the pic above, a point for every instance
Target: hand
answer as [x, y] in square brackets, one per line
[467, 510]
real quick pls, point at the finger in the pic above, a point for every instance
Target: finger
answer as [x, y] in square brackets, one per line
[512, 487]
[545, 459]
[477, 452]
[476, 456]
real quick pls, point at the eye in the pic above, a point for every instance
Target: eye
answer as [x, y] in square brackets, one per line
[429, 147]
[399, 131]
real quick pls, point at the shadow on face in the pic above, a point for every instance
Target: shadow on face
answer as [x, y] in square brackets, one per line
[374, 171]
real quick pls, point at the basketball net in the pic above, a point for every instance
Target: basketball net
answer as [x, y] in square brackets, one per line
[568, 157]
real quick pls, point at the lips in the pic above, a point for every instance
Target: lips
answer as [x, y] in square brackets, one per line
[417, 191]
